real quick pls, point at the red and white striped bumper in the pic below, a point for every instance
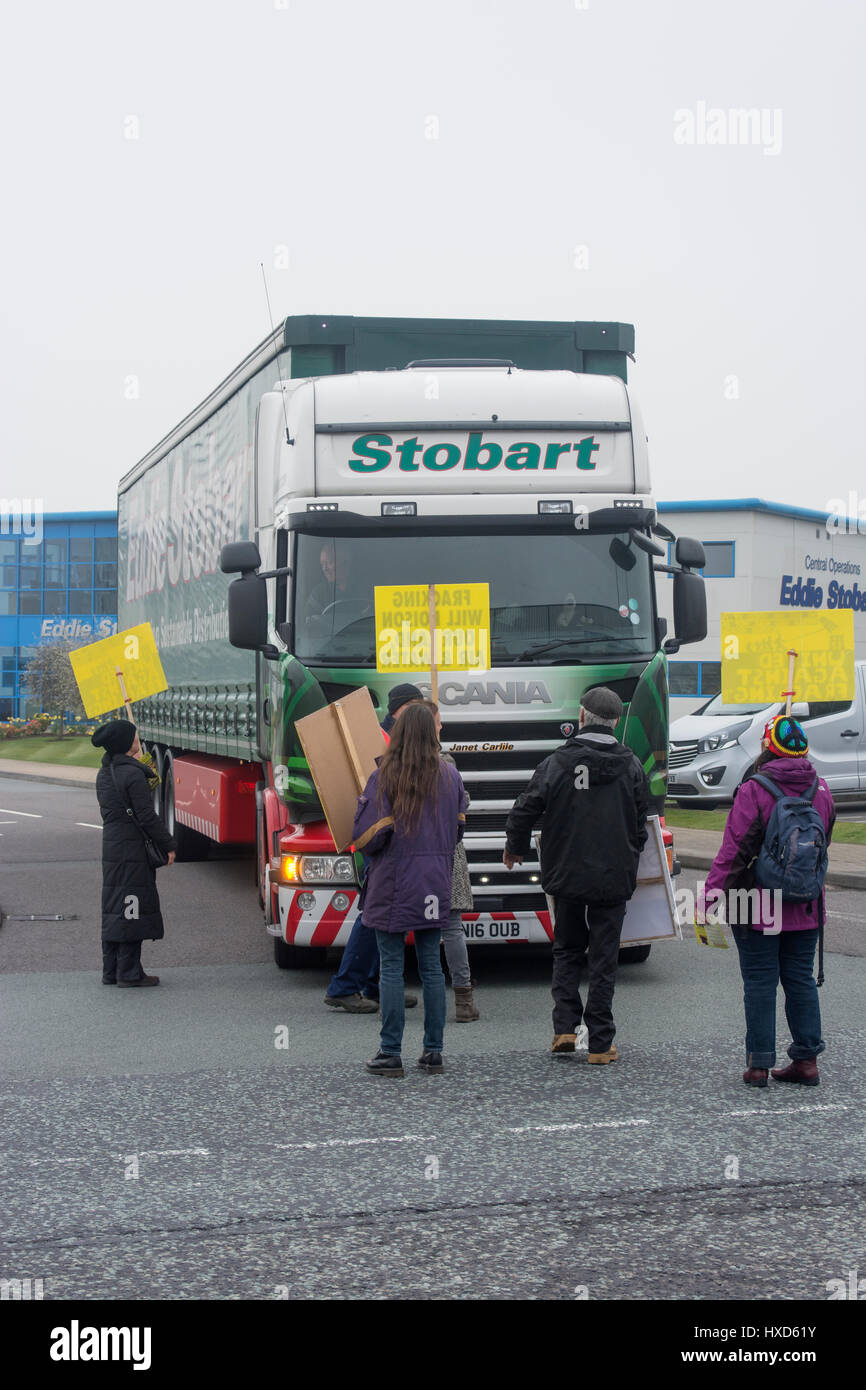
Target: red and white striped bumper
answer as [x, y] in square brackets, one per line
[325, 925]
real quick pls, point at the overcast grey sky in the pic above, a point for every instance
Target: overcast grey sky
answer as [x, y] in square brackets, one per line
[560, 185]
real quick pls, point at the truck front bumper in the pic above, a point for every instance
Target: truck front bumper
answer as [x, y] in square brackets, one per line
[315, 920]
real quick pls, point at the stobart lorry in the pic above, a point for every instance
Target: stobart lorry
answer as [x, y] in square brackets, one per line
[348, 453]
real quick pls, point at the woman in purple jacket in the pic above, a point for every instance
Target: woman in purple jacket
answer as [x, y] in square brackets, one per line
[410, 816]
[771, 950]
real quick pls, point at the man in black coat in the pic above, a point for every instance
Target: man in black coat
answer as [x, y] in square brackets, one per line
[130, 902]
[591, 797]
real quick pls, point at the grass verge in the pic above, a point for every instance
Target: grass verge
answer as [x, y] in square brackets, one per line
[71, 752]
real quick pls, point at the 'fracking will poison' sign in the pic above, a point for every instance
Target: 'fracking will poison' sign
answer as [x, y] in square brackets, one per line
[460, 637]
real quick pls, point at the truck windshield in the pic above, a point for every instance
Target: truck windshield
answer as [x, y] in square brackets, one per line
[553, 598]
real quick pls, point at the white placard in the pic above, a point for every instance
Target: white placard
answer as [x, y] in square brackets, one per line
[651, 913]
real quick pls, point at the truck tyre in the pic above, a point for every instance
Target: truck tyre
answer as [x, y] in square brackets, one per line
[298, 957]
[634, 955]
[190, 844]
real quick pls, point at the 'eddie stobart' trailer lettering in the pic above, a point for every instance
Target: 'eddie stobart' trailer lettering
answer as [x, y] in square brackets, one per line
[348, 453]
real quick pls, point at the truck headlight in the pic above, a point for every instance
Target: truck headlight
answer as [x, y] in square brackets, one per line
[725, 738]
[326, 868]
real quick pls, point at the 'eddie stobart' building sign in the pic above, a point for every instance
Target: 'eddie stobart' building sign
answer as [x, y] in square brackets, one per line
[811, 592]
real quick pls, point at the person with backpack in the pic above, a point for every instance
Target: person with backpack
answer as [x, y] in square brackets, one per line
[775, 842]
[410, 816]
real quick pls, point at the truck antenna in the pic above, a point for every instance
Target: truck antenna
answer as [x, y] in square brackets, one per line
[289, 439]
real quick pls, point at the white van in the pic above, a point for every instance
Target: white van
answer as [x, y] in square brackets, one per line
[711, 751]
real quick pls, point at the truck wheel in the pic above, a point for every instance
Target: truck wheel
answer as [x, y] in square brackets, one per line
[634, 955]
[298, 957]
[190, 844]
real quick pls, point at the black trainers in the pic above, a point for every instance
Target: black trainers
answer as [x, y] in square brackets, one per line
[352, 1003]
[385, 1064]
[431, 1061]
[136, 984]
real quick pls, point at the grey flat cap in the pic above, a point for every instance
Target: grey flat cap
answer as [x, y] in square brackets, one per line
[602, 702]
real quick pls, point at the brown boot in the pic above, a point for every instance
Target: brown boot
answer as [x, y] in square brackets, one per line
[804, 1073]
[564, 1042]
[466, 1010]
[601, 1059]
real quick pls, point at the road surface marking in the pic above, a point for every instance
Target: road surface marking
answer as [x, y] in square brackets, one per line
[350, 1143]
[88, 825]
[788, 1110]
[31, 815]
[8, 822]
[593, 1124]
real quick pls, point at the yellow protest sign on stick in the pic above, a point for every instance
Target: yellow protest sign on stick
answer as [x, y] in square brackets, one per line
[757, 661]
[118, 669]
[460, 635]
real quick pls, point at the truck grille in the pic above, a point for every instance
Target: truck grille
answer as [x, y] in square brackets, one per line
[681, 754]
[496, 762]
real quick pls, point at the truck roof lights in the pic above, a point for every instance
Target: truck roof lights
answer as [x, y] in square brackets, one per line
[545, 508]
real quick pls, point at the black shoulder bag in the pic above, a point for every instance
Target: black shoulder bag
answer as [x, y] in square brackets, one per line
[156, 857]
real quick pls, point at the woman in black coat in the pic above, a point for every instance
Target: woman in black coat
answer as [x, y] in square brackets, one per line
[130, 902]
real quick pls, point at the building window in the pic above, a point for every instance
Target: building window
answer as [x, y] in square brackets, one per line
[105, 548]
[55, 552]
[30, 603]
[54, 601]
[720, 560]
[105, 601]
[8, 550]
[683, 677]
[81, 548]
[9, 576]
[31, 576]
[7, 602]
[105, 576]
[79, 576]
[694, 678]
[80, 601]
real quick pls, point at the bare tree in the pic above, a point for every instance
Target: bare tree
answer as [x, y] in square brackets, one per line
[51, 680]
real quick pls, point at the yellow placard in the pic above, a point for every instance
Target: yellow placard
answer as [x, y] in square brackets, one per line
[755, 650]
[134, 653]
[461, 637]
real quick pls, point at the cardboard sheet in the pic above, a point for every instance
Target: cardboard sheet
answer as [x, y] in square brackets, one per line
[341, 744]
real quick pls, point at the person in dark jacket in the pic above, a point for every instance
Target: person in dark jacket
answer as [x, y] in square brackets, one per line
[771, 950]
[130, 902]
[591, 798]
[410, 816]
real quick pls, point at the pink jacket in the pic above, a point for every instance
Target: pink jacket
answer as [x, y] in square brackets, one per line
[744, 834]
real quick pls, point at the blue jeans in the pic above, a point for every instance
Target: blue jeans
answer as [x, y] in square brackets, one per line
[765, 960]
[359, 968]
[391, 949]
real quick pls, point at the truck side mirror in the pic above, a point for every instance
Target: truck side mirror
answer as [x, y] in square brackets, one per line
[240, 557]
[248, 612]
[690, 605]
[690, 553]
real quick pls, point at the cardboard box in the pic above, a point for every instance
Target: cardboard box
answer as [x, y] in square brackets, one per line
[341, 744]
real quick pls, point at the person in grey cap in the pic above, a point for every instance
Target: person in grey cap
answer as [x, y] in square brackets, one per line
[590, 798]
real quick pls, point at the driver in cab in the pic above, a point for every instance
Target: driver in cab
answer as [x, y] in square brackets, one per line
[335, 583]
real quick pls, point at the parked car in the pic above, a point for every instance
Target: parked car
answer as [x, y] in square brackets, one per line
[711, 751]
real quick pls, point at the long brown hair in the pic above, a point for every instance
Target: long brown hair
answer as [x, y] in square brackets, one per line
[410, 772]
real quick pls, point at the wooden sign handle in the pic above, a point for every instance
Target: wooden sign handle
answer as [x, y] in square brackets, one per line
[124, 696]
[349, 745]
[789, 693]
[434, 673]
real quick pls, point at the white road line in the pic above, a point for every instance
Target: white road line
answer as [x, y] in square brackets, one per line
[31, 815]
[88, 825]
[351, 1143]
[594, 1124]
[786, 1110]
[8, 822]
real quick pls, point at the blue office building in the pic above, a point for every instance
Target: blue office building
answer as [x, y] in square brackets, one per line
[58, 578]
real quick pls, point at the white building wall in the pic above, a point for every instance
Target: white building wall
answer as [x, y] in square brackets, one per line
[768, 546]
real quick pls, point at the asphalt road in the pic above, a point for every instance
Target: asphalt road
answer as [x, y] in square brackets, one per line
[218, 1137]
